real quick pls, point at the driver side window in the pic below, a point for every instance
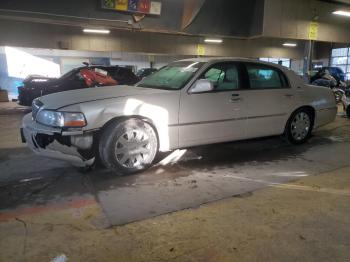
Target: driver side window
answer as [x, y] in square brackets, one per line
[224, 76]
[215, 75]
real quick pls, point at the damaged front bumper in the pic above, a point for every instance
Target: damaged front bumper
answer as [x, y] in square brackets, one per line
[71, 146]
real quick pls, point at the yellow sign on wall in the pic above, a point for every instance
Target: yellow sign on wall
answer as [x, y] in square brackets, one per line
[151, 58]
[200, 49]
[121, 5]
[313, 31]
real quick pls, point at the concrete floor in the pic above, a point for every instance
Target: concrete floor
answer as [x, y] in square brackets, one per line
[48, 207]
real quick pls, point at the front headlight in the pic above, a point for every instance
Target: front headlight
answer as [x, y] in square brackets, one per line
[61, 119]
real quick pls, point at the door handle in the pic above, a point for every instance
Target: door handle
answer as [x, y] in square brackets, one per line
[235, 99]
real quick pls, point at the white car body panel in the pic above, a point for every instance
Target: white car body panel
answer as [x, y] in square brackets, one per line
[160, 106]
[182, 119]
[200, 112]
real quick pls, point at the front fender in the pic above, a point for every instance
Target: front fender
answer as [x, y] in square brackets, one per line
[98, 113]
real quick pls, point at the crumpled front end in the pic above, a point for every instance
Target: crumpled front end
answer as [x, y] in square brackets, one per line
[72, 146]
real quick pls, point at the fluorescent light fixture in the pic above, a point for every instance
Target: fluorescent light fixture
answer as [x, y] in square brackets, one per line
[212, 40]
[341, 12]
[96, 31]
[290, 44]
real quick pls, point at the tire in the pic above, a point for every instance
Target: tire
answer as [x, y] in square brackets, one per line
[338, 95]
[128, 146]
[299, 126]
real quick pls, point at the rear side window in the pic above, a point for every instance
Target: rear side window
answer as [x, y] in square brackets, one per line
[265, 77]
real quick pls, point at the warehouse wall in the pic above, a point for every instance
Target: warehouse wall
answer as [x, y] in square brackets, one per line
[57, 36]
[323, 50]
[291, 19]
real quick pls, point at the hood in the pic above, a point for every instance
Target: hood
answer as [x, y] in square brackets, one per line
[62, 99]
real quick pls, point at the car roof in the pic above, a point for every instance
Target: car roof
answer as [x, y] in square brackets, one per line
[98, 66]
[332, 67]
[233, 59]
[214, 59]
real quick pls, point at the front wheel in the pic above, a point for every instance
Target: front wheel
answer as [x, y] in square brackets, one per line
[128, 146]
[299, 126]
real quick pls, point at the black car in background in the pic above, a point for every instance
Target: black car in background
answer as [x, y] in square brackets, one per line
[145, 72]
[81, 77]
[336, 72]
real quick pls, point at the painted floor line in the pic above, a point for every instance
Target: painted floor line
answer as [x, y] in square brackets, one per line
[75, 203]
[298, 187]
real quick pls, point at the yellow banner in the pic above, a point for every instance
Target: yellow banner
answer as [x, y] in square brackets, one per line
[200, 49]
[313, 31]
[121, 5]
[151, 58]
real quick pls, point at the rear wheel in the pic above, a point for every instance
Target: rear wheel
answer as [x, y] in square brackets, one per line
[348, 111]
[299, 126]
[338, 96]
[128, 146]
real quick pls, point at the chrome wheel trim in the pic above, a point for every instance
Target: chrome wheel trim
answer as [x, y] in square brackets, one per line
[300, 126]
[133, 149]
[338, 96]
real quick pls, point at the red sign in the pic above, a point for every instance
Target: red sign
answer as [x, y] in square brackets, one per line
[144, 6]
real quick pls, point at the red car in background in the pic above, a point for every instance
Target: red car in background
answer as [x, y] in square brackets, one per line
[81, 77]
[97, 77]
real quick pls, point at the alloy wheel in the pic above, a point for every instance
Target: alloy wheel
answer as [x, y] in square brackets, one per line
[300, 126]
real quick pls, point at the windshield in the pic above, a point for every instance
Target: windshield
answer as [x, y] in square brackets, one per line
[171, 77]
[69, 74]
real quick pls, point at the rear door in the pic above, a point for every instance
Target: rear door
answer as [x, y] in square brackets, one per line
[269, 100]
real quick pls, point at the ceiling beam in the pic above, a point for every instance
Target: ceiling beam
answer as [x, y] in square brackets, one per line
[338, 2]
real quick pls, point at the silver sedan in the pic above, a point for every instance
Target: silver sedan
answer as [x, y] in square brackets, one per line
[187, 103]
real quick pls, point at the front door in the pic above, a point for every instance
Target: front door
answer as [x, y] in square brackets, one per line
[214, 116]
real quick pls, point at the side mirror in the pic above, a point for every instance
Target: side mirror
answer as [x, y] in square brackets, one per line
[202, 85]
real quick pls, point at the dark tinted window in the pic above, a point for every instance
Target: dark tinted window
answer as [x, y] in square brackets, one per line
[265, 77]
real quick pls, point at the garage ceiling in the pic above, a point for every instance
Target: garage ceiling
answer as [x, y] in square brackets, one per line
[227, 17]
[343, 1]
[241, 18]
[346, 2]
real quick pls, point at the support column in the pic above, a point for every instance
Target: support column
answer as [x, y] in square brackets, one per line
[308, 54]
